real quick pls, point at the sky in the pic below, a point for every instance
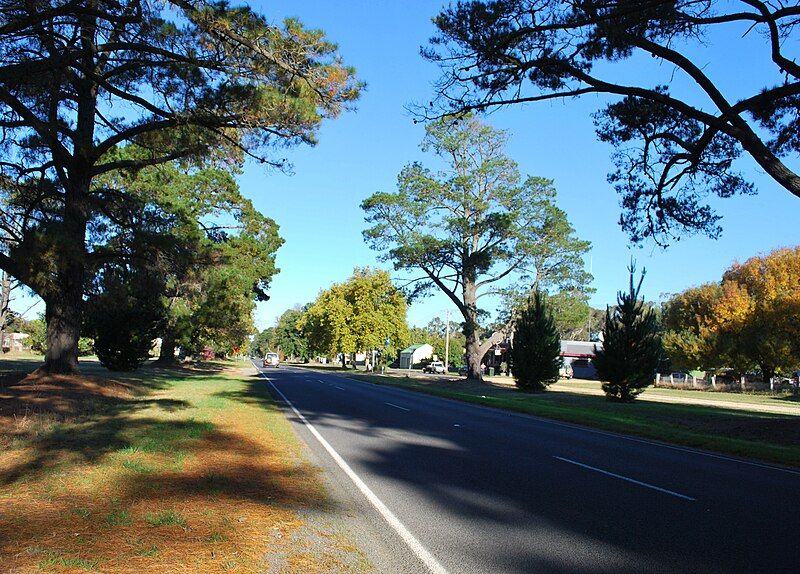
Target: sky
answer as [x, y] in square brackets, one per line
[317, 206]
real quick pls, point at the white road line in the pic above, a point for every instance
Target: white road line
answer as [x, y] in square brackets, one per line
[619, 476]
[338, 387]
[397, 407]
[619, 436]
[416, 547]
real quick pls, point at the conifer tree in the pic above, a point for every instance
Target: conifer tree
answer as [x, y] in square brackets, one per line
[631, 345]
[536, 350]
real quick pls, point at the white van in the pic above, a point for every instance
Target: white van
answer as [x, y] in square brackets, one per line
[271, 360]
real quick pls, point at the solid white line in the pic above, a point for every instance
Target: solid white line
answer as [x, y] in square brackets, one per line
[397, 407]
[414, 544]
[619, 476]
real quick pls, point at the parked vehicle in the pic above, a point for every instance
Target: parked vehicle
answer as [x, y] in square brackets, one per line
[271, 360]
[434, 367]
[565, 372]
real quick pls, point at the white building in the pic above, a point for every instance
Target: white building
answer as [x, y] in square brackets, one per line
[414, 354]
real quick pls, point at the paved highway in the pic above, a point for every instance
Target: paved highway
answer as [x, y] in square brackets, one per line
[454, 488]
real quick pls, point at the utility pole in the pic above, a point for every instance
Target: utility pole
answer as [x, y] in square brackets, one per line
[447, 343]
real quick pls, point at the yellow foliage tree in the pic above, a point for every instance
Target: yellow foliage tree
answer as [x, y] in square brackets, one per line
[356, 316]
[751, 318]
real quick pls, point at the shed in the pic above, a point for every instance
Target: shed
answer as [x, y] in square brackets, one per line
[414, 354]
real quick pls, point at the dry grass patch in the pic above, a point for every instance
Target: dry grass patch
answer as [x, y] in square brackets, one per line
[176, 472]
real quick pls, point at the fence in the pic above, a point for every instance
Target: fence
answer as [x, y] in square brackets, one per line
[724, 384]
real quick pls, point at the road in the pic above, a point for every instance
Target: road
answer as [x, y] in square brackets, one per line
[455, 488]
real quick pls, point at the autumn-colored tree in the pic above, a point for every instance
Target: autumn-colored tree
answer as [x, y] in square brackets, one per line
[690, 337]
[750, 319]
[763, 314]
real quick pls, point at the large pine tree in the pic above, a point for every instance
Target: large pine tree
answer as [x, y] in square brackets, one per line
[536, 350]
[631, 345]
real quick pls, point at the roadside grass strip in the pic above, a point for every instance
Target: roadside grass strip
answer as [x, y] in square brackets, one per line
[752, 434]
[168, 470]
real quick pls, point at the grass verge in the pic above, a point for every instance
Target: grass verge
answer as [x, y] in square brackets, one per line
[166, 470]
[763, 436]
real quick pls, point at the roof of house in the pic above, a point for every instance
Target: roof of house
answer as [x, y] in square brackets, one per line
[413, 348]
[579, 348]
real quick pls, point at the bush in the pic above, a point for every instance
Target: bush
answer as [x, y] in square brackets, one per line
[124, 319]
[536, 350]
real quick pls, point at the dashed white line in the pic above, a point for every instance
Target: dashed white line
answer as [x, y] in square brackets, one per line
[619, 476]
[338, 387]
[397, 406]
[416, 547]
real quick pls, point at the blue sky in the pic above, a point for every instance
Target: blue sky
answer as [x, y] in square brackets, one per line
[363, 151]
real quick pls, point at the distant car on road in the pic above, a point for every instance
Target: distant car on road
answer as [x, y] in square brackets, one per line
[435, 367]
[271, 360]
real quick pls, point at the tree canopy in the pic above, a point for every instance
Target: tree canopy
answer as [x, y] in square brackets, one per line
[750, 319]
[475, 229]
[356, 316]
[201, 82]
[674, 147]
[289, 339]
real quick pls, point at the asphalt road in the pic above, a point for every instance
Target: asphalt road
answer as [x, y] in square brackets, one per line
[448, 487]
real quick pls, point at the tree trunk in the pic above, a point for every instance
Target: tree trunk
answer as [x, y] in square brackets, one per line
[64, 299]
[767, 371]
[5, 300]
[474, 356]
[63, 316]
[167, 353]
[472, 332]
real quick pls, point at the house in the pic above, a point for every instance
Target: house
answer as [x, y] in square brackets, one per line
[414, 355]
[13, 342]
[496, 356]
[579, 355]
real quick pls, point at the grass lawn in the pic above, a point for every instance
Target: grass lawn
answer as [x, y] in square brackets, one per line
[783, 398]
[165, 470]
[758, 435]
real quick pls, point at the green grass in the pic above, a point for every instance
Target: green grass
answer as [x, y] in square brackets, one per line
[761, 398]
[55, 559]
[165, 518]
[743, 433]
[150, 552]
[119, 518]
[138, 466]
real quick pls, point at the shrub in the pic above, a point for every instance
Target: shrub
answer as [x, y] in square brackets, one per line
[631, 346]
[536, 350]
[125, 318]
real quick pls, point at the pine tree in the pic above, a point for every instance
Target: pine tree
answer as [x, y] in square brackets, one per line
[536, 350]
[631, 345]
